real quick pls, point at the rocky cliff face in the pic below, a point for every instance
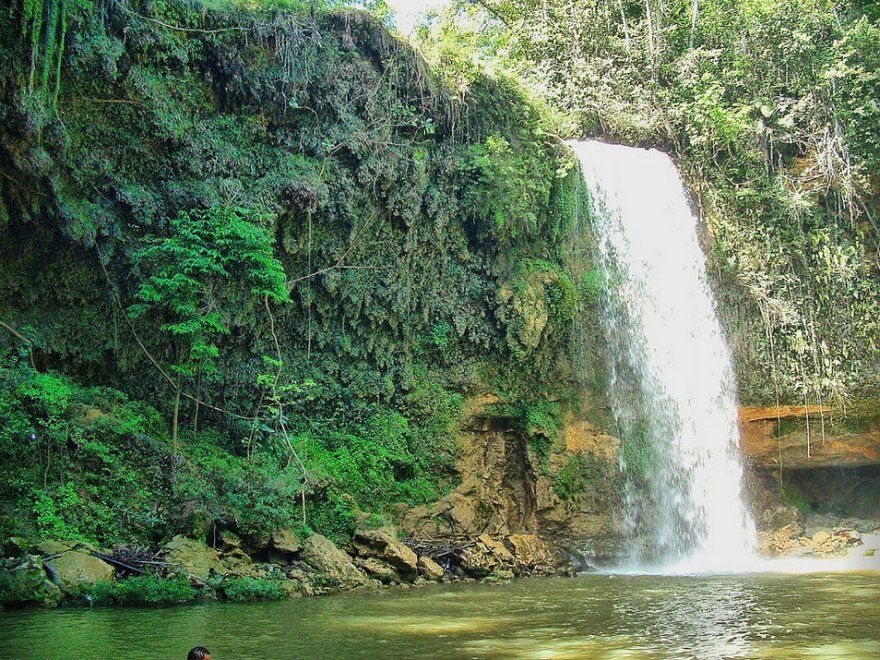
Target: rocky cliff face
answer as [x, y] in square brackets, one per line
[568, 496]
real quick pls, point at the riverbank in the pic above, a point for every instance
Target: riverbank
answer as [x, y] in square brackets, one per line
[189, 571]
[186, 570]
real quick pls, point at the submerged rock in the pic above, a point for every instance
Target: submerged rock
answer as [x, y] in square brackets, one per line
[74, 569]
[23, 582]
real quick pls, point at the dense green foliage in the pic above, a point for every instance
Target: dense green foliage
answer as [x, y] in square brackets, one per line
[146, 590]
[292, 247]
[247, 588]
[771, 108]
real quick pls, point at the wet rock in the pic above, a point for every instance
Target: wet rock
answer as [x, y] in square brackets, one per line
[378, 570]
[286, 542]
[193, 557]
[532, 554]
[430, 569]
[486, 556]
[23, 582]
[779, 542]
[74, 569]
[498, 577]
[383, 545]
[334, 565]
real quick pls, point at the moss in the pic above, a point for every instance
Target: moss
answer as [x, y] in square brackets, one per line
[796, 497]
[576, 476]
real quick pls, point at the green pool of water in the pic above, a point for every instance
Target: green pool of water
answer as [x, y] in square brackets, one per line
[596, 616]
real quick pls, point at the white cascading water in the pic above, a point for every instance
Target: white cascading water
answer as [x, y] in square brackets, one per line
[672, 388]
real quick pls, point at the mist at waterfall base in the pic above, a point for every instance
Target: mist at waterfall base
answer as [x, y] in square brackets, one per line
[671, 384]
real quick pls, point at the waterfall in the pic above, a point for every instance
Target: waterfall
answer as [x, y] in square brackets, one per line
[671, 388]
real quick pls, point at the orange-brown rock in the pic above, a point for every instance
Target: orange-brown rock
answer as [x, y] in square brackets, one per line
[769, 443]
[754, 413]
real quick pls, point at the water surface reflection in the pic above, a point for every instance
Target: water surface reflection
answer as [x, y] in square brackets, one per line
[597, 616]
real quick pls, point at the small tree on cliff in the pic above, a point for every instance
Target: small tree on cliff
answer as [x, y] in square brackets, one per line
[214, 263]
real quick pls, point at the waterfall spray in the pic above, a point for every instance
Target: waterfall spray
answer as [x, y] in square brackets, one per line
[672, 388]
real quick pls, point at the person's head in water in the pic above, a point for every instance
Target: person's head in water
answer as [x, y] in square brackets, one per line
[198, 653]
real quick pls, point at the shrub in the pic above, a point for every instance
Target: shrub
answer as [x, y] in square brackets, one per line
[143, 590]
[247, 588]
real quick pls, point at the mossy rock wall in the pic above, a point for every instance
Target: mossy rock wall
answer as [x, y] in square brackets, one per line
[400, 212]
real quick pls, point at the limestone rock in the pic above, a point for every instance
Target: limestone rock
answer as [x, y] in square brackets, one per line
[332, 563]
[378, 569]
[779, 542]
[230, 539]
[532, 554]
[486, 556]
[430, 569]
[285, 541]
[237, 561]
[52, 547]
[23, 582]
[497, 548]
[75, 569]
[193, 557]
[383, 545]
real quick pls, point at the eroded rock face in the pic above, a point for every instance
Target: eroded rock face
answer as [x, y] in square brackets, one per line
[332, 563]
[74, 569]
[485, 557]
[795, 437]
[504, 490]
[24, 582]
[193, 557]
[532, 554]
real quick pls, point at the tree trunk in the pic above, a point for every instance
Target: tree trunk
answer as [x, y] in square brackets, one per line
[176, 416]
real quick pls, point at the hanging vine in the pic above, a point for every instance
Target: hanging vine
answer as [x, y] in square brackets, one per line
[44, 30]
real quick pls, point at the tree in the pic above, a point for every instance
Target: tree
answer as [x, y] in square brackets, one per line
[214, 263]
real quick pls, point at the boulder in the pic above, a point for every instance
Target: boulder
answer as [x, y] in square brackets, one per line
[332, 563]
[52, 547]
[383, 545]
[486, 556]
[532, 554]
[286, 542]
[378, 570]
[74, 570]
[193, 557]
[230, 540]
[430, 569]
[237, 561]
[23, 582]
